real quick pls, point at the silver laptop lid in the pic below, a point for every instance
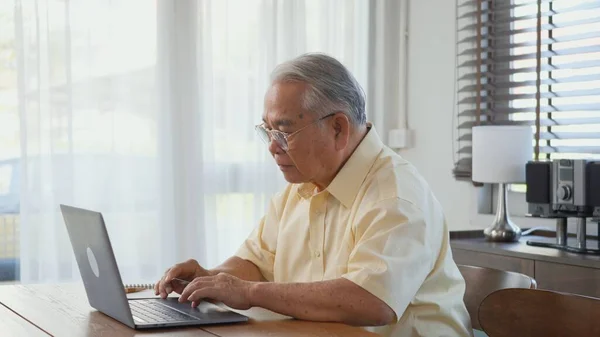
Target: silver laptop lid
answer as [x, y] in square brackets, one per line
[97, 263]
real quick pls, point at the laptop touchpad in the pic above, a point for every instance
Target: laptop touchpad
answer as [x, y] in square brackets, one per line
[204, 310]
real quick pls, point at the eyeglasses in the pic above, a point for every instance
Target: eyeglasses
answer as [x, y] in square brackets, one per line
[279, 136]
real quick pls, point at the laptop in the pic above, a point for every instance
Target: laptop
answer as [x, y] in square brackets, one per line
[105, 290]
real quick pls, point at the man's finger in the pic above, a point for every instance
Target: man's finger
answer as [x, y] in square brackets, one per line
[197, 284]
[179, 285]
[160, 286]
[156, 287]
[197, 296]
[189, 289]
[164, 282]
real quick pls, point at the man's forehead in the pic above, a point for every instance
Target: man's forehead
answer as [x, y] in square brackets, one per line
[283, 104]
[275, 119]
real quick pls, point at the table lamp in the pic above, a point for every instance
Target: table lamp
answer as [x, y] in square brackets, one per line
[499, 156]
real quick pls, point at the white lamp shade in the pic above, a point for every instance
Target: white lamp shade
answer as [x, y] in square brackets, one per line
[500, 153]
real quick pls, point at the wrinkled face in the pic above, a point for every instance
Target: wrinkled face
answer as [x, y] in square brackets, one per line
[310, 140]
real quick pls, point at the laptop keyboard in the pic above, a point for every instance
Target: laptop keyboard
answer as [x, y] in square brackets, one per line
[148, 311]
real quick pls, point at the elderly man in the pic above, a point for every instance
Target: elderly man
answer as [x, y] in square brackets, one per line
[356, 237]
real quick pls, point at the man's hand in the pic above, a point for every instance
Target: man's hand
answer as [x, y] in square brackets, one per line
[187, 270]
[239, 284]
[223, 287]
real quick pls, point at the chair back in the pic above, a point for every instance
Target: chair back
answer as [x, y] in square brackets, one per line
[539, 313]
[480, 282]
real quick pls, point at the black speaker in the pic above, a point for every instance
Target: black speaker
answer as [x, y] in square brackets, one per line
[593, 184]
[538, 176]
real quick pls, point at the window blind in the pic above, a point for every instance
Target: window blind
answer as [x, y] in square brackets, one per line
[532, 62]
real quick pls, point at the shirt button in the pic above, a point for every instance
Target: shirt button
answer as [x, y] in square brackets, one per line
[317, 254]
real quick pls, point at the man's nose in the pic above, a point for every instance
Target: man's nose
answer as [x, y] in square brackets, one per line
[274, 147]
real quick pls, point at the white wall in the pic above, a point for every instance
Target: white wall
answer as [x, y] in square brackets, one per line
[431, 64]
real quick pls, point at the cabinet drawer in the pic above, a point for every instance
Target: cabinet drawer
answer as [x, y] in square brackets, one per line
[471, 258]
[567, 278]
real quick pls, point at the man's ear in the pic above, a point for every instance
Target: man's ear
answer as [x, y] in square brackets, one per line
[341, 127]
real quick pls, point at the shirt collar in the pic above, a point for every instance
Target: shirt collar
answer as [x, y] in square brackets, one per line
[307, 190]
[346, 183]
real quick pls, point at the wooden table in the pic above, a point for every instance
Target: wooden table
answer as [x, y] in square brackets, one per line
[16, 325]
[63, 310]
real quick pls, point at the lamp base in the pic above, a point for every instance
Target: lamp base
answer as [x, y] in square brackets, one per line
[502, 229]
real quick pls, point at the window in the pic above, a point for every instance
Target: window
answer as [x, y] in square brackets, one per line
[9, 145]
[151, 123]
[74, 96]
[530, 62]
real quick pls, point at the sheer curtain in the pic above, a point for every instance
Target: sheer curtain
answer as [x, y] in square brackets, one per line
[87, 93]
[239, 43]
[145, 111]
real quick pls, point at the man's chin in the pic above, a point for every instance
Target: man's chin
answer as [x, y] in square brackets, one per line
[292, 176]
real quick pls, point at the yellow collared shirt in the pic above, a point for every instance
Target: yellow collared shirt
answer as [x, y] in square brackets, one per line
[378, 225]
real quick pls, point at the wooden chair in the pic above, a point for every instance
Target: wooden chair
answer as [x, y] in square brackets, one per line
[480, 282]
[539, 313]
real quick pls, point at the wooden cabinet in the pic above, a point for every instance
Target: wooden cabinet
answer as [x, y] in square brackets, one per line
[566, 278]
[506, 263]
[551, 268]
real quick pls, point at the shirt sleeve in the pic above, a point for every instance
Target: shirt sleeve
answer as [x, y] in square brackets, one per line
[260, 246]
[391, 258]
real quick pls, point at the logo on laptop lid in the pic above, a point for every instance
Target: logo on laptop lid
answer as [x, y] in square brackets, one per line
[93, 262]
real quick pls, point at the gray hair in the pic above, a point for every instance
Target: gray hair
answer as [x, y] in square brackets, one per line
[332, 87]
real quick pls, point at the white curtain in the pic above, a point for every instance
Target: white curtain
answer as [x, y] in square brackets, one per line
[88, 118]
[145, 111]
